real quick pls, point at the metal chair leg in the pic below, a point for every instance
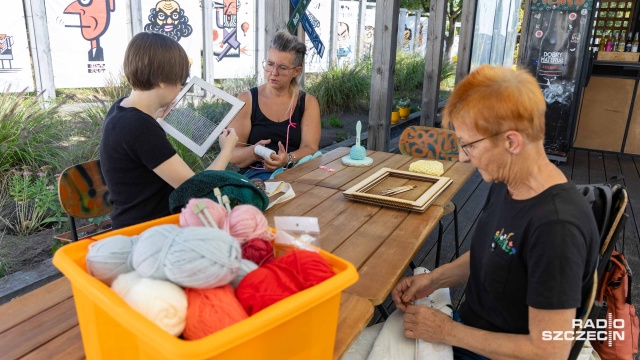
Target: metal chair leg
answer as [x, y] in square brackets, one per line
[439, 243]
[72, 225]
[412, 265]
[455, 229]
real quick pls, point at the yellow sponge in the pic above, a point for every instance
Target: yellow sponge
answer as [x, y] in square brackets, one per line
[429, 167]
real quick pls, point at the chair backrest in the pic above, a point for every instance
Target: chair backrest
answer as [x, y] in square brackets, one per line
[619, 217]
[590, 308]
[83, 192]
[430, 143]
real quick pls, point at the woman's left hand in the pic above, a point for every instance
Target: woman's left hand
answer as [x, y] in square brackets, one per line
[422, 322]
[277, 160]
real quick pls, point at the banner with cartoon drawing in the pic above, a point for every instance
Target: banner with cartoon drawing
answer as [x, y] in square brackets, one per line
[348, 15]
[179, 19]
[234, 39]
[368, 25]
[15, 63]
[88, 39]
[319, 13]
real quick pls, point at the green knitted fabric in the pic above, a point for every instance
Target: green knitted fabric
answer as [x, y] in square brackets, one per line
[238, 188]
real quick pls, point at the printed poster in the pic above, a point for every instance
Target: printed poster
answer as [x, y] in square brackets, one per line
[180, 20]
[234, 39]
[15, 61]
[367, 32]
[88, 39]
[409, 34]
[347, 26]
[421, 39]
[319, 13]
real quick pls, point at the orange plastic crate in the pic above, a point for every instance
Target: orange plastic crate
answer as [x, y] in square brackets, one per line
[302, 326]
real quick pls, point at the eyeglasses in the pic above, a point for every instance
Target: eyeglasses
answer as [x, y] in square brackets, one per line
[463, 146]
[269, 66]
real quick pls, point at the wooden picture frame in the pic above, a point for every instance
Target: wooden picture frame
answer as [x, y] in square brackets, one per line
[185, 117]
[426, 190]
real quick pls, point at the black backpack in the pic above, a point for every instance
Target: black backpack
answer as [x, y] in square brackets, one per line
[599, 197]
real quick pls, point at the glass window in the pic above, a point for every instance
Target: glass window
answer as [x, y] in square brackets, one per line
[618, 24]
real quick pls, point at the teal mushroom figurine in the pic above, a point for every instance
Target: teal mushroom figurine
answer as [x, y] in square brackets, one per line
[358, 151]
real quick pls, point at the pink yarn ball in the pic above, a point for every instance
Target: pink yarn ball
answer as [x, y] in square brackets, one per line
[246, 222]
[189, 218]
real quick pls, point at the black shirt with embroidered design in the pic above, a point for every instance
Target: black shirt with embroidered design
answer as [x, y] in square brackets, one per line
[539, 252]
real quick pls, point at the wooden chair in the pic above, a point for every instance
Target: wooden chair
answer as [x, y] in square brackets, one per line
[83, 194]
[435, 144]
[591, 309]
[619, 217]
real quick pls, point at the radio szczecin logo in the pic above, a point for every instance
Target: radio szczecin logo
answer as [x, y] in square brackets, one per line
[600, 329]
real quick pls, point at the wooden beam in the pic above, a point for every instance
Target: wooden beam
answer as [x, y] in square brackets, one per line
[207, 46]
[276, 18]
[385, 40]
[465, 42]
[433, 62]
[40, 48]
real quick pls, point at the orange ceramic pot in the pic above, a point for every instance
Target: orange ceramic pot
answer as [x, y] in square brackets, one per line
[404, 112]
[395, 116]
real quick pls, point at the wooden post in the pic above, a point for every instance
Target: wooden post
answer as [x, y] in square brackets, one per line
[135, 16]
[276, 17]
[331, 49]
[301, 36]
[261, 41]
[207, 42]
[465, 41]
[40, 48]
[433, 62]
[385, 40]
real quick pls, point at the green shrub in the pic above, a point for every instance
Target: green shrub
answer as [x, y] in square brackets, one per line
[85, 130]
[341, 88]
[409, 74]
[334, 121]
[29, 133]
[236, 86]
[116, 87]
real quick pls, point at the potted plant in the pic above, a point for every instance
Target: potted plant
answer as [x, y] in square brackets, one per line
[404, 107]
[395, 114]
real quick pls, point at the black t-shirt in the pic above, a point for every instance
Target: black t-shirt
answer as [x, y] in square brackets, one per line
[263, 128]
[133, 144]
[540, 253]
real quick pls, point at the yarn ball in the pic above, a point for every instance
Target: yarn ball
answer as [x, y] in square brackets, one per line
[196, 257]
[162, 302]
[258, 250]
[295, 271]
[358, 152]
[110, 257]
[211, 310]
[189, 218]
[246, 267]
[246, 222]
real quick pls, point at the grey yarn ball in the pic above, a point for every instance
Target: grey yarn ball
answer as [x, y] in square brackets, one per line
[195, 257]
[110, 257]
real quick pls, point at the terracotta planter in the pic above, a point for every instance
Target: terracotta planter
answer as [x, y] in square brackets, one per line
[404, 112]
[395, 116]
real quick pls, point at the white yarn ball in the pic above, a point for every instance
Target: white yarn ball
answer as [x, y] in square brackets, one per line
[110, 257]
[195, 257]
[162, 302]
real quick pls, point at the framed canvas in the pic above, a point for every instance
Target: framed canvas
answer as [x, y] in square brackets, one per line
[399, 189]
[199, 114]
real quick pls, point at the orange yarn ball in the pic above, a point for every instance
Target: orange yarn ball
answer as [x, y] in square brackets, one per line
[210, 310]
[287, 275]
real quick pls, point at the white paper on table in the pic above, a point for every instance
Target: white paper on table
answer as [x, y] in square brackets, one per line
[287, 189]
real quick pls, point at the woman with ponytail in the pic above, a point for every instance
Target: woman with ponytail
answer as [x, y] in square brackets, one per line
[277, 114]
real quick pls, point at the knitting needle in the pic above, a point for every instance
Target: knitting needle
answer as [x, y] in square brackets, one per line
[225, 200]
[200, 209]
[398, 190]
[218, 195]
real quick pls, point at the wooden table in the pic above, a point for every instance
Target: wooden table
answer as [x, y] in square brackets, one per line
[379, 241]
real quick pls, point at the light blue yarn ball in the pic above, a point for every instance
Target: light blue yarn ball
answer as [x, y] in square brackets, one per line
[110, 257]
[358, 152]
[246, 267]
[195, 257]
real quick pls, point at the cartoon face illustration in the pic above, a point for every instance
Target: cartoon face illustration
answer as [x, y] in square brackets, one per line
[368, 34]
[343, 32]
[230, 7]
[169, 19]
[94, 16]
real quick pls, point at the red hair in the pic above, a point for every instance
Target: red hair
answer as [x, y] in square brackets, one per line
[494, 99]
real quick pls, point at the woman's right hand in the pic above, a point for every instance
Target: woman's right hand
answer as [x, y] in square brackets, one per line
[412, 288]
[228, 139]
[263, 143]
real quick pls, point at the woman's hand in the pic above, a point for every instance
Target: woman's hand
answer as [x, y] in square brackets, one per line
[277, 160]
[423, 322]
[409, 289]
[162, 112]
[228, 139]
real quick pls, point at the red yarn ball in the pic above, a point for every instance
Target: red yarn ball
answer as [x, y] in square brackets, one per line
[259, 251]
[295, 271]
[210, 310]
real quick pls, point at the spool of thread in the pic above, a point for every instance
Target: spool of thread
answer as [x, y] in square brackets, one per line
[246, 222]
[211, 310]
[110, 257]
[162, 302]
[295, 271]
[188, 217]
[196, 257]
[263, 151]
[246, 267]
[258, 251]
